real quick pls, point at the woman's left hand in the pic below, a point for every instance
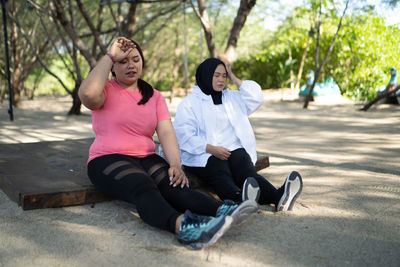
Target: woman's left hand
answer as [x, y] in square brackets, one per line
[177, 177]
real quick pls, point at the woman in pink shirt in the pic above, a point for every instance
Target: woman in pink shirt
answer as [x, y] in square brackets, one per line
[126, 111]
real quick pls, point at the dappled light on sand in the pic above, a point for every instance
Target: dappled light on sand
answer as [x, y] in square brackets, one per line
[347, 215]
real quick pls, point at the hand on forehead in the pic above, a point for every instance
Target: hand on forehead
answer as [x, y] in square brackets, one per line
[126, 44]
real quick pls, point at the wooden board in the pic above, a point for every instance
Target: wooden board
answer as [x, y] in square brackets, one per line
[47, 174]
[53, 174]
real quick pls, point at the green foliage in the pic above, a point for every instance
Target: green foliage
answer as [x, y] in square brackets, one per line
[368, 50]
[363, 54]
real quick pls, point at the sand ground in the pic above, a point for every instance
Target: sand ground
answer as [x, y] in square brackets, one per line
[347, 215]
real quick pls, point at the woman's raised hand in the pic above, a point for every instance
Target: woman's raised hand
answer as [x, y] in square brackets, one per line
[232, 76]
[121, 48]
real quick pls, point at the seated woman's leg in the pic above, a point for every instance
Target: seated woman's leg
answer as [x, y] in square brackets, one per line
[242, 167]
[217, 174]
[122, 177]
[181, 199]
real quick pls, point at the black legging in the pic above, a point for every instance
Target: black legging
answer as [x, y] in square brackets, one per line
[227, 177]
[145, 183]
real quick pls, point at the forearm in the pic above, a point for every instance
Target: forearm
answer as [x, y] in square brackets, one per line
[235, 80]
[218, 151]
[167, 137]
[91, 89]
[170, 148]
[210, 149]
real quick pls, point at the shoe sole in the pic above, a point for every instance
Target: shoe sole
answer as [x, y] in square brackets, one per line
[251, 190]
[243, 211]
[291, 192]
[217, 235]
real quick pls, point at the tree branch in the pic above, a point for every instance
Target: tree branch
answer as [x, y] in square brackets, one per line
[240, 19]
[159, 14]
[379, 97]
[60, 16]
[320, 68]
[91, 26]
[205, 23]
[36, 54]
[129, 26]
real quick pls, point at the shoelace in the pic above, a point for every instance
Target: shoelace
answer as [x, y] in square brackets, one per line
[193, 220]
[227, 207]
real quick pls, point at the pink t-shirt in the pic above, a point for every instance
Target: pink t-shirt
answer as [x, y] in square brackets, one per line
[124, 127]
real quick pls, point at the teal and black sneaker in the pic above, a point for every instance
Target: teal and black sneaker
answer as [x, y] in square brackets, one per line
[202, 231]
[239, 212]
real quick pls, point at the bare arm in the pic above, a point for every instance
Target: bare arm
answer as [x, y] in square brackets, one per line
[232, 76]
[91, 90]
[167, 137]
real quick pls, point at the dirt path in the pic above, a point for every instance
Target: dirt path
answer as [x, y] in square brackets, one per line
[348, 214]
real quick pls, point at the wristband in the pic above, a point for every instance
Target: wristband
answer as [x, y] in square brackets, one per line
[111, 57]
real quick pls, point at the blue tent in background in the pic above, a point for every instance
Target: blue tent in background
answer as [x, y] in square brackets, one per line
[392, 81]
[392, 98]
[327, 88]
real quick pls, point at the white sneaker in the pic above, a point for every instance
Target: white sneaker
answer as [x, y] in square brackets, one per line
[238, 211]
[250, 190]
[293, 186]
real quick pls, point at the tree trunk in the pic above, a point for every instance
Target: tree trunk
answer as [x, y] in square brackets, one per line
[76, 101]
[15, 63]
[129, 27]
[16, 92]
[387, 92]
[303, 59]
[240, 19]
[320, 68]
[205, 22]
[2, 91]
[291, 69]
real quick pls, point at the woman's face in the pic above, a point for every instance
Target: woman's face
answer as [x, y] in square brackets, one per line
[129, 69]
[219, 78]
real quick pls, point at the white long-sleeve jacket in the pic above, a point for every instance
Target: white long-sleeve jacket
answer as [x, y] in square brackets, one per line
[195, 121]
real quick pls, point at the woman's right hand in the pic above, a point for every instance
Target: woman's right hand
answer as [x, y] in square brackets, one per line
[232, 76]
[121, 48]
[218, 151]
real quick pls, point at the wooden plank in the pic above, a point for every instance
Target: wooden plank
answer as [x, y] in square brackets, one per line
[262, 161]
[62, 199]
[53, 174]
[47, 174]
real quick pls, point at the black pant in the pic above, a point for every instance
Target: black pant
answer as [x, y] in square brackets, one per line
[227, 177]
[145, 183]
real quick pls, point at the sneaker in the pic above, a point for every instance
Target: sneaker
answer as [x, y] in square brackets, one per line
[250, 190]
[202, 231]
[239, 212]
[293, 186]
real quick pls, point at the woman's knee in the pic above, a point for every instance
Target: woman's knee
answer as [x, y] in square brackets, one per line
[138, 184]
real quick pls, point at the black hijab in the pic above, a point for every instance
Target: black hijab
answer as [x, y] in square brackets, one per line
[204, 76]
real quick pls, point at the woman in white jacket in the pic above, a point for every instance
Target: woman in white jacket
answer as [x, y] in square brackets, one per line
[217, 142]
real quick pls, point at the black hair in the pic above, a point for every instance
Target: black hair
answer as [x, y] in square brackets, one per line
[145, 88]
